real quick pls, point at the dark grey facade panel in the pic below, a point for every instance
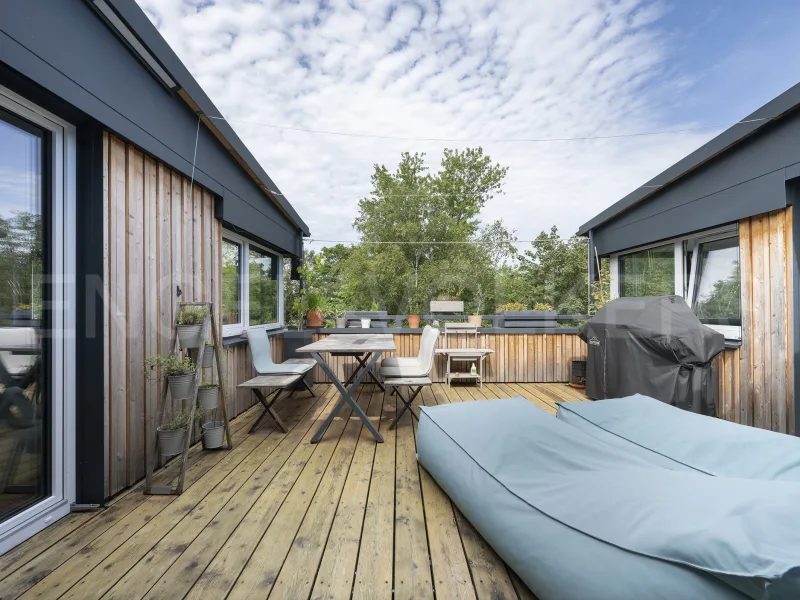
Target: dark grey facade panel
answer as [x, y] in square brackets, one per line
[644, 225]
[63, 46]
[138, 21]
[726, 142]
[241, 217]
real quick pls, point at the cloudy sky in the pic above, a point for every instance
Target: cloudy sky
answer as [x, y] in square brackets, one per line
[481, 72]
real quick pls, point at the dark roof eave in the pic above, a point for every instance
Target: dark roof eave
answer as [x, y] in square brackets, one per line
[771, 111]
[191, 92]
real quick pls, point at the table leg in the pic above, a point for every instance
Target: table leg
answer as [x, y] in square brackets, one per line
[407, 405]
[347, 397]
[268, 410]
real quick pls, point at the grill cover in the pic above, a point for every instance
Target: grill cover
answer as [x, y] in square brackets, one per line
[654, 346]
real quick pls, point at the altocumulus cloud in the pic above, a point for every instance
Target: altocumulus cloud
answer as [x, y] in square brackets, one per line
[481, 70]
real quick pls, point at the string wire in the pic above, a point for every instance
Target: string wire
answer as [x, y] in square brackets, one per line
[488, 141]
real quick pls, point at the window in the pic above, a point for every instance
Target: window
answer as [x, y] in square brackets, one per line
[701, 268]
[231, 282]
[717, 295]
[251, 286]
[648, 272]
[263, 287]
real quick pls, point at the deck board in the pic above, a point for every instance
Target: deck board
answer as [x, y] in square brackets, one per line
[279, 517]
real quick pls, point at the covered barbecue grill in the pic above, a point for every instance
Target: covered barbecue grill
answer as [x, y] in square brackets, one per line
[654, 346]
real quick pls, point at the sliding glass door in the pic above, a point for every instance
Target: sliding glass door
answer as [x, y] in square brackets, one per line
[25, 401]
[36, 319]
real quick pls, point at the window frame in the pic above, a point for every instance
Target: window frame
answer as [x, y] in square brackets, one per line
[235, 329]
[685, 288]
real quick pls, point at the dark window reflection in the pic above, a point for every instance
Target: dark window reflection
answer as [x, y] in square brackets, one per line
[24, 403]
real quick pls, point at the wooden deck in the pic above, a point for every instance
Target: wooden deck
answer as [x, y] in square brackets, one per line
[279, 517]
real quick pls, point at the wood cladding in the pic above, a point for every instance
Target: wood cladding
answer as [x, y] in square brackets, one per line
[517, 358]
[160, 235]
[756, 381]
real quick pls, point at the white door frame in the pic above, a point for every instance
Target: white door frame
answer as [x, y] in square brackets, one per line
[62, 369]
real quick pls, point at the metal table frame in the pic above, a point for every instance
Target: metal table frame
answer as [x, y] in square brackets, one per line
[371, 358]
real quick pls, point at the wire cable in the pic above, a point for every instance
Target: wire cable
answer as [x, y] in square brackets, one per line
[488, 141]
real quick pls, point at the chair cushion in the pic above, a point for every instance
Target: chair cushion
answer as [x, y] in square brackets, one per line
[401, 367]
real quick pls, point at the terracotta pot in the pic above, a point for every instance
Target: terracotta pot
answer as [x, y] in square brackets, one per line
[413, 321]
[475, 320]
[315, 318]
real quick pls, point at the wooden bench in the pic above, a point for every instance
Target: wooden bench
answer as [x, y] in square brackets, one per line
[281, 383]
[415, 384]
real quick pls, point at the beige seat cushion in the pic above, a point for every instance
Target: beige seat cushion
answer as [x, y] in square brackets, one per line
[401, 367]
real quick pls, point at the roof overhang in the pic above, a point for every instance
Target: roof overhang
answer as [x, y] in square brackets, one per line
[752, 124]
[133, 27]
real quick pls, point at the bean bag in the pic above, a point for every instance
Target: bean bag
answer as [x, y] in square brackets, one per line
[676, 439]
[577, 518]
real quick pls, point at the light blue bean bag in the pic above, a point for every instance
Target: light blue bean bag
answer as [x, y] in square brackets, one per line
[677, 439]
[579, 519]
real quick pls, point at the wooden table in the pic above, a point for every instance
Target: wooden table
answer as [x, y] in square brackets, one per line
[372, 345]
[282, 383]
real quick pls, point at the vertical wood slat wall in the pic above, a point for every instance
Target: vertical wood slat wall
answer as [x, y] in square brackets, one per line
[158, 235]
[519, 357]
[756, 381]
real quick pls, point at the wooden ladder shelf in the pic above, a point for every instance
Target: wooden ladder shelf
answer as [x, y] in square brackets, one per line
[197, 357]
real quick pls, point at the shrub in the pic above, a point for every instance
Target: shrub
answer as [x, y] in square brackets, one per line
[169, 365]
[192, 315]
[177, 420]
[511, 306]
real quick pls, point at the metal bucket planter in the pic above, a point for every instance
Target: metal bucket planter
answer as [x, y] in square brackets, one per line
[171, 441]
[181, 386]
[208, 357]
[365, 323]
[341, 322]
[213, 434]
[190, 336]
[207, 398]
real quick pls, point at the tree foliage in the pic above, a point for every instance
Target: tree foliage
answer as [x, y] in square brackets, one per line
[421, 238]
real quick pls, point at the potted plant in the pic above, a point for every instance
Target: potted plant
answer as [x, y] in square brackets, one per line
[180, 372]
[208, 356]
[213, 430]
[174, 433]
[315, 302]
[190, 326]
[208, 396]
[414, 309]
[341, 322]
[477, 318]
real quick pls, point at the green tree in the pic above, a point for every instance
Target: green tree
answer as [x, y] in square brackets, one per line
[554, 271]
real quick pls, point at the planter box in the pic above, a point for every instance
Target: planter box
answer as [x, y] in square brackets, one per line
[378, 318]
[535, 319]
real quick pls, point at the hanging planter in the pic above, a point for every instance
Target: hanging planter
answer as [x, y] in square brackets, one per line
[180, 373]
[181, 386]
[208, 356]
[171, 441]
[213, 434]
[190, 326]
[173, 434]
[208, 396]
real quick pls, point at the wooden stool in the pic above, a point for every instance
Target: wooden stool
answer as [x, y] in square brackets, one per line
[415, 384]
